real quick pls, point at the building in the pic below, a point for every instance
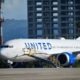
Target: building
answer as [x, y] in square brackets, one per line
[1, 20]
[53, 18]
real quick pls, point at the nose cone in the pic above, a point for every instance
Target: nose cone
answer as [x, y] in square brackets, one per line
[3, 53]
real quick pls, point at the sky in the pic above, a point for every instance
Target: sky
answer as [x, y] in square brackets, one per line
[14, 9]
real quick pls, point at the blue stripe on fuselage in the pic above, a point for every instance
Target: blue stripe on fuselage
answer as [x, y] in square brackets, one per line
[42, 46]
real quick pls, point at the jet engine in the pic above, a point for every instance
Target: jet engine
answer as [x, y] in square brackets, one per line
[66, 59]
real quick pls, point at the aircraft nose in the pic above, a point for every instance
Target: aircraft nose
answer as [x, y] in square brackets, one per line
[5, 49]
[3, 53]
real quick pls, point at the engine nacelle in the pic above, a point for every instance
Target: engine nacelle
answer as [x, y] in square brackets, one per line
[66, 59]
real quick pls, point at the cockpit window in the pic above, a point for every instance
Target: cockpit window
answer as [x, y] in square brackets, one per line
[6, 46]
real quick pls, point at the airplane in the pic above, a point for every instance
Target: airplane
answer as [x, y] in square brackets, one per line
[59, 52]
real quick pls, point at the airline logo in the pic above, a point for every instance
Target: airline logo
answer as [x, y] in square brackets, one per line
[39, 45]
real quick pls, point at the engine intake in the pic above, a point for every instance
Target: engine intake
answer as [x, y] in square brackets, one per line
[66, 59]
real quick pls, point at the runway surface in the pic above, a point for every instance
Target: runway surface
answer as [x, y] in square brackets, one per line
[40, 74]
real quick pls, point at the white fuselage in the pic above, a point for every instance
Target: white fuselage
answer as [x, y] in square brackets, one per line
[42, 48]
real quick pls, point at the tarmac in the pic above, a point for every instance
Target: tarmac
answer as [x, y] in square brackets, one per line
[40, 74]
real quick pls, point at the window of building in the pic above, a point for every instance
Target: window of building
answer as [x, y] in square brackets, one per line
[63, 1]
[46, 25]
[46, 8]
[55, 8]
[30, 19]
[71, 25]
[63, 12]
[64, 31]
[77, 18]
[39, 9]
[55, 25]
[71, 31]
[70, 19]
[38, 3]
[63, 24]
[55, 3]
[70, 2]
[70, 14]
[39, 20]
[30, 14]
[30, 8]
[77, 1]
[31, 32]
[63, 7]
[39, 25]
[46, 14]
[39, 14]
[46, 20]
[56, 32]
[77, 13]
[77, 7]
[45, 2]
[55, 19]
[55, 14]
[39, 32]
[30, 25]
[30, 2]
[63, 19]
[70, 8]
